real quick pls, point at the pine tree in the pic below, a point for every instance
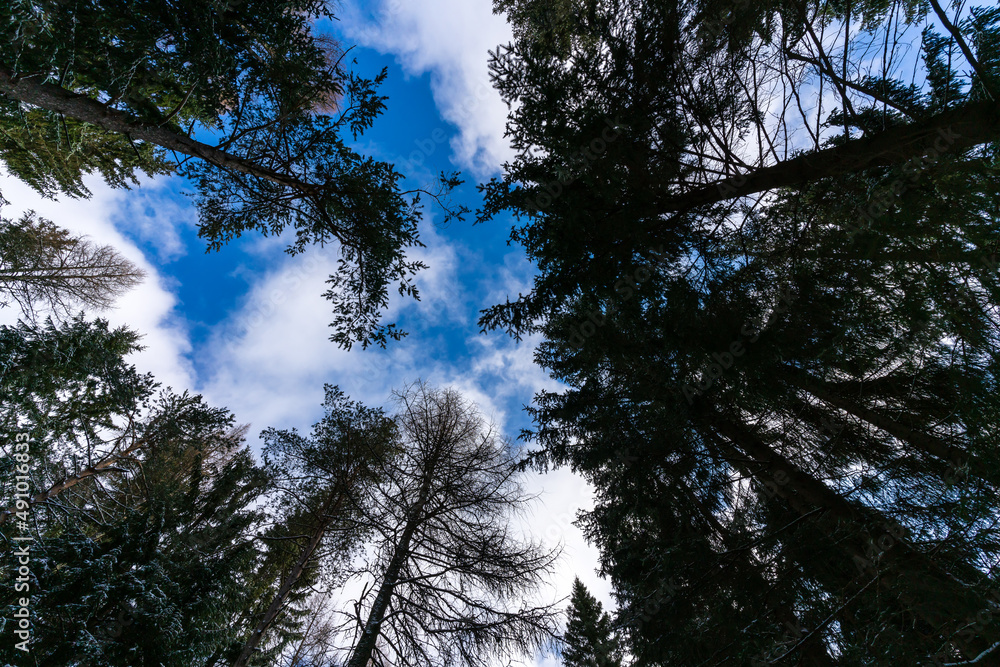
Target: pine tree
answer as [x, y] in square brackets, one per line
[783, 401]
[589, 637]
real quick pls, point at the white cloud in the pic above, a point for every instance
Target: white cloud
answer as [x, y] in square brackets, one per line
[267, 361]
[450, 39]
[154, 215]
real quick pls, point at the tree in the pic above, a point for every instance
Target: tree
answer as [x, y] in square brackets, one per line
[452, 583]
[318, 478]
[244, 98]
[589, 637]
[69, 388]
[807, 376]
[148, 566]
[140, 506]
[317, 646]
[43, 264]
[64, 382]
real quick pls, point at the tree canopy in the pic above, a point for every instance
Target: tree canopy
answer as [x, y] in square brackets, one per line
[775, 316]
[248, 100]
[766, 241]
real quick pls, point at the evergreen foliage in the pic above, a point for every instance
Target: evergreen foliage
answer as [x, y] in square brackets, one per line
[780, 360]
[589, 637]
[247, 99]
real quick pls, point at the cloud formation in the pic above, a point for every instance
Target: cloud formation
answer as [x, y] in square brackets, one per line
[450, 39]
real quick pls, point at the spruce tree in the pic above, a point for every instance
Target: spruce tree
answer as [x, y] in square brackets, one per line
[782, 400]
[589, 637]
[148, 565]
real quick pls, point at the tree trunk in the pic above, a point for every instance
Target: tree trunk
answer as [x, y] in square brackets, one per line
[69, 482]
[333, 502]
[373, 626]
[912, 570]
[951, 130]
[59, 100]
[813, 650]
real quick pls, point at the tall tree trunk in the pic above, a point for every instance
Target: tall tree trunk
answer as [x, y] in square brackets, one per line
[332, 503]
[906, 568]
[55, 98]
[951, 130]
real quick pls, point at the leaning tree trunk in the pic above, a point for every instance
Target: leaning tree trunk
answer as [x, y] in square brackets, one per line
[102, 466]
[928, 444]
[813, 652]
[951, 130]
[907, 566]
[57, 99]
[373, 626]
[333, 503]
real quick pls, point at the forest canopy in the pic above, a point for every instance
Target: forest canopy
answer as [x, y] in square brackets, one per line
[763, 244]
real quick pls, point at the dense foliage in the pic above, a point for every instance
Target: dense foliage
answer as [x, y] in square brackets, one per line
[247, 99]
[780, 353]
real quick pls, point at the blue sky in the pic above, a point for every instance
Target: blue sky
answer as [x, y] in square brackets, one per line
[247, 327]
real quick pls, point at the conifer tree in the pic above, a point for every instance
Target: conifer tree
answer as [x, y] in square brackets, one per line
[42, 265]
[148, 566]
[247, 98]
[775, 395]
[589, 637]
[450, 582]
[319, 479]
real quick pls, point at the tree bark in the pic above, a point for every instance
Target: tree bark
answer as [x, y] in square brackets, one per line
[369, 636]
[951, 130]
[59, 100]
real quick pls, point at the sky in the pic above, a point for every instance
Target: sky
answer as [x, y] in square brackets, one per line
[247, 327]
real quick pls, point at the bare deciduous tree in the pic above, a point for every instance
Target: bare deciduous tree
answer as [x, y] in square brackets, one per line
[317, 646]
[42, 264]
[317, 478]
[453, 583]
